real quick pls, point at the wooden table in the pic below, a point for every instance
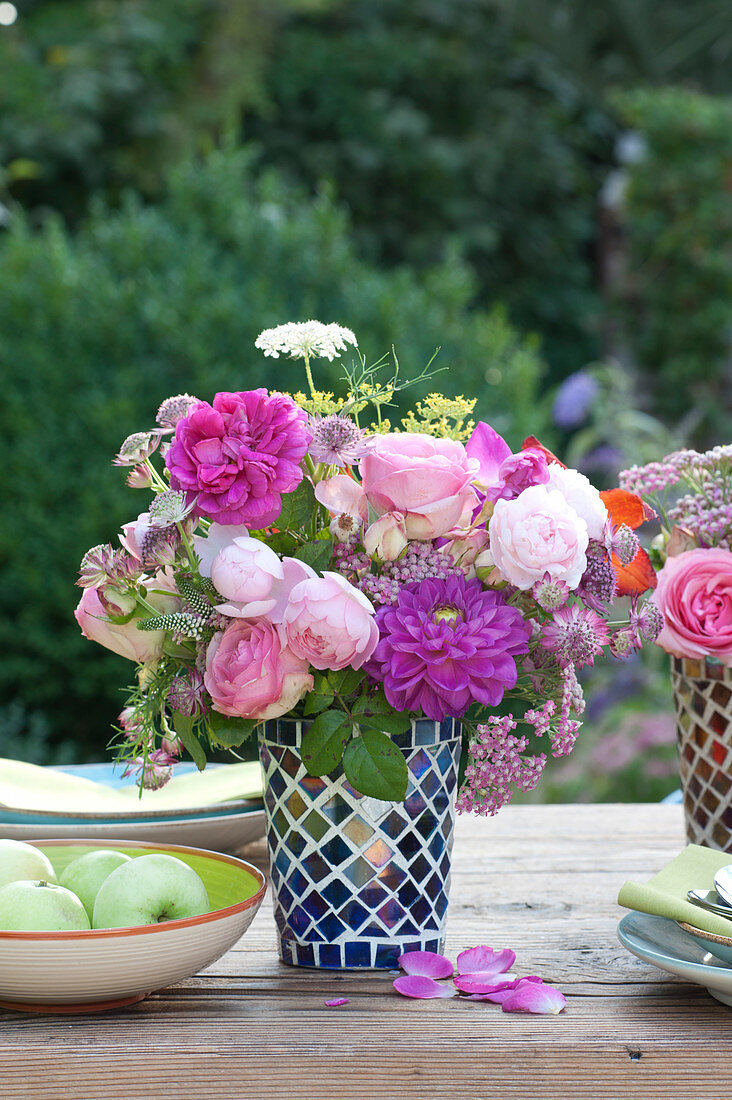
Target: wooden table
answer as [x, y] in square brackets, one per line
[541, 879]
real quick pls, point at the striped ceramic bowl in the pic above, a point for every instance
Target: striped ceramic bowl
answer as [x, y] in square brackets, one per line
[109, 968]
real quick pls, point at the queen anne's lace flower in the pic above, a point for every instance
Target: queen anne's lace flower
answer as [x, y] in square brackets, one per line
[305, 339]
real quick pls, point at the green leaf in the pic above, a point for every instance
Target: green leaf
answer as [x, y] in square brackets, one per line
[226, 732]
[314, 703]
[376, 767]
[346, 680]
[297, 508]
[323, 744]
[393, 722]
[282, 542]
[316, 554]
[183, 726]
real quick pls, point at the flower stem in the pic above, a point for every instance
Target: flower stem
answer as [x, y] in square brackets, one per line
[308, 372]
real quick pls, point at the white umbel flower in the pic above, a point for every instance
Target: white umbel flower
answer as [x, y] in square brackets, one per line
[305, 339]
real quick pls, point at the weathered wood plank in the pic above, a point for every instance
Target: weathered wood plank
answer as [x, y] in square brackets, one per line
[542, 879]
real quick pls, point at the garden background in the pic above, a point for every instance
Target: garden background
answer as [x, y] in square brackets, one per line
[541, 188]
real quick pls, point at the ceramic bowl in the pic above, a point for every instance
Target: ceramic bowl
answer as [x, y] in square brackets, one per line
[112, 967]
[719, 946]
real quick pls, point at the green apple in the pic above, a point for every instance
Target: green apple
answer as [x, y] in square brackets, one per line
[147, 890]
[85, 875]
[38, 906]
[23, 861]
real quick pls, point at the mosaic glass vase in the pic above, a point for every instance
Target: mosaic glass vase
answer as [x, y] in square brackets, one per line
[356, 880]
[703, 703]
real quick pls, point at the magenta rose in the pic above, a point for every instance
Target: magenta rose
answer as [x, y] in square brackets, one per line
[125, 639]
[427, 480]
[330, 623]
[238, 456]
[252, 673]
[694, 595]
[503, 475]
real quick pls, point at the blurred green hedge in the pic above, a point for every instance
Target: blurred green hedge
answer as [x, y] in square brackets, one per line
[143, 302]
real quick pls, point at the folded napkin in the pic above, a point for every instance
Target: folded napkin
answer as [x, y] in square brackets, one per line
[665, 894]
[29, 787]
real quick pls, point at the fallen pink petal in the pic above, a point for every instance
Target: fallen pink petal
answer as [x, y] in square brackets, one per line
[424, 989]
[337, 1002]
[483, 960]
[426, 964]
[531, 996]
[484, 983]
[501, 991]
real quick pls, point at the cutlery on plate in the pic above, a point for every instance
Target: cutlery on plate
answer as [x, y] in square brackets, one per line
[708, 899]
[723, 883]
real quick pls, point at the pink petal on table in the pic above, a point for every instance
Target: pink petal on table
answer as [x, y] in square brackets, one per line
[501, 990]
[484, 983]
[531, 996]
[483, 960]
[426, 964]
[414, 985]
[337, 1003]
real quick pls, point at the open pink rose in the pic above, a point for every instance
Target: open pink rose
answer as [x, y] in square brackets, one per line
[538, 533]
[426, 479]
[125, 639]
[330, 623]
[694, 595]
[252, 673]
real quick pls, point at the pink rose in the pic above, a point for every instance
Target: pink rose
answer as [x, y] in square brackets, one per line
[386, 537]
[694, 595]
[125, 639]
[466, 548]
[426, 479]
[537, 533]
[330, 623]
[252, 673]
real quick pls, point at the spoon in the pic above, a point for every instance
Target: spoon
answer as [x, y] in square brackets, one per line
[706, 900]
[723, 883]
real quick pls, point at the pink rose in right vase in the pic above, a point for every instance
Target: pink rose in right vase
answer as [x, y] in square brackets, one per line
[694, 595]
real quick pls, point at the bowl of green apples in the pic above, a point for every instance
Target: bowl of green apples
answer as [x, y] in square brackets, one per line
[87, 926]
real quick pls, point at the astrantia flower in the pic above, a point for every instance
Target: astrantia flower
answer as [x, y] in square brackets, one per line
[445, 644]
[239, 455]
[136, 447]
[550, 594]
[174, 409]
[305, 339]
[169, 508]
[96, 566]
[646, 620]
[337, 441]
[576, 635]
[154, 772]
[186, 694]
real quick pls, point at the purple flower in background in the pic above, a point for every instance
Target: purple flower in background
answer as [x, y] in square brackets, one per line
[239, 455]
[574, 399]
[445, 644]
[337, 441]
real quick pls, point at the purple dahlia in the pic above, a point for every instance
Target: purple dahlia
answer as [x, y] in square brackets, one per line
[447, 643]
[238, 456]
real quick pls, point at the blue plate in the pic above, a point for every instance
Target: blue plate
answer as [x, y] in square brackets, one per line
[660, 941]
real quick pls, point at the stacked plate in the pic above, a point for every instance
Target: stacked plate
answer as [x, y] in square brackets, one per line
[681, 950]
[102, 803]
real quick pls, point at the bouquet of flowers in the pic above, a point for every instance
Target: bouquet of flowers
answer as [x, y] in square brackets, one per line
[692, 495]
[299, 557]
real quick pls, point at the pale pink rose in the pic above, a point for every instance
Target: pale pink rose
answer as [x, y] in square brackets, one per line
[537, 533]
[694, 595]
[218, 537]
[254, 580]
[386, 537]
[580, 494]
[125, 639]
[252, 673]
[425, 478]
[330, 623]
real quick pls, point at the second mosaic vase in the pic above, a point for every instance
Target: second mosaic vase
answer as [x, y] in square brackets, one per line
[357, 881]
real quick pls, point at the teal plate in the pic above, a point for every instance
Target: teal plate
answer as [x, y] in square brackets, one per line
[660, 941]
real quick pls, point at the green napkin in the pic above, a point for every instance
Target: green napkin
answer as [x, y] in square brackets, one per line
[665, 894]
[29, 787]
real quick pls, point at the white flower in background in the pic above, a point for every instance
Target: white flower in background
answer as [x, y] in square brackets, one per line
[580, 494]
[305, 340]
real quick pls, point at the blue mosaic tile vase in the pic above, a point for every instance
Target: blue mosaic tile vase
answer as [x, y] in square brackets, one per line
[356, 880]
